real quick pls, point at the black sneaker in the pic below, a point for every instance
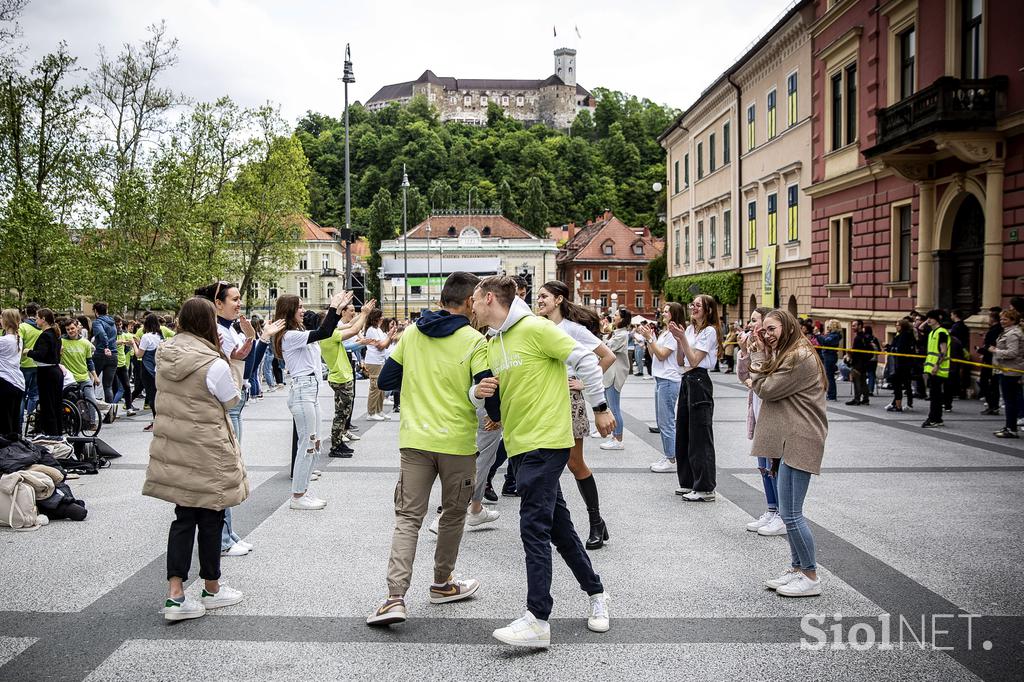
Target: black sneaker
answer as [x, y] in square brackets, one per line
[931, 425]
[853, 402]
[509, 491]
[990, 412]
[341, 450]
[489, 494]
[1006, 433]
[893, 408]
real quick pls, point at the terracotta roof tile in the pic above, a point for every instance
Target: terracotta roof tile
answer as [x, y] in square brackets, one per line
[441, 226]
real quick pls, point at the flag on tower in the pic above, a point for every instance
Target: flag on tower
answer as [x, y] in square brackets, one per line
[578, 32]
[555, 31]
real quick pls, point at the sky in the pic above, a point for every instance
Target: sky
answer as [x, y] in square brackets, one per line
[290, 52]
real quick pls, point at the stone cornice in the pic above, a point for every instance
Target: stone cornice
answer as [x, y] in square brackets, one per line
[781, 46]
[712, 102]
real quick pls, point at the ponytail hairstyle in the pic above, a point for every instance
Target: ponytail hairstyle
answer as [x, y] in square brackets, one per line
[218, 291]
[624, 319]
[10, 320]
[573, 311]
[198, 317]
[677, 314]
[47, 315]
[791, 340]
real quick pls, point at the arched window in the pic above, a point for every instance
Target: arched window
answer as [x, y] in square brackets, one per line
[451, 231]
[469, 237]
[608, 248]
[487, 230]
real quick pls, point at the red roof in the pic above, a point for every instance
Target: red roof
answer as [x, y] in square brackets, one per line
[489, 225]
[589, 242]
[313, 232]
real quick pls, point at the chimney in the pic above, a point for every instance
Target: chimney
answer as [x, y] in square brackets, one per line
[572, 230]
[607, 214]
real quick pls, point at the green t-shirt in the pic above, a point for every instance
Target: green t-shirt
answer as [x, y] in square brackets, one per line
[333, 352]
[75, 354]
[437, 415]
[529, 361]
[167, 333]
[28, 335]
[122, 351]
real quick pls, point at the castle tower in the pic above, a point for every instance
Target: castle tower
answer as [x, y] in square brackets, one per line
[565, 65]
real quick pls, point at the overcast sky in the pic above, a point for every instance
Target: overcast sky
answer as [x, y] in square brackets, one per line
[291, 51]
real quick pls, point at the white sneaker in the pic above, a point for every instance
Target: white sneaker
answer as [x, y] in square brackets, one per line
[376, 418]
[595, 434]
[694, 496]
[664, 466]
[599, 621]
[234, 550]
[612, 444]
[435, 524]
[345, 438]
[784, 579]
[763, 520]
[389, 401]
[526, 631]
[190, 608]
[226, 596]
[351, 436]
[307, 503]
[248, 545]
[314, 476]
[684, 491]
[485, 516]
[776, 526]
[802, 586]
[387, 417]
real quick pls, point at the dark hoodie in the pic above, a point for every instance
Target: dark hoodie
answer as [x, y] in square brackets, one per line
[436, 325]
[104, 332]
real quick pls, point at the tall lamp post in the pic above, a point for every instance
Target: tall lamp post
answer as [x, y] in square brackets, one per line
[348, 77]
[428, 266]
[405, 238]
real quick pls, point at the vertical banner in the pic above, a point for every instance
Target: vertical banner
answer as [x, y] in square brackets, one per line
[768, 275]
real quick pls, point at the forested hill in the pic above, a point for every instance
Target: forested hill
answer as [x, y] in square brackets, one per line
[534, 175]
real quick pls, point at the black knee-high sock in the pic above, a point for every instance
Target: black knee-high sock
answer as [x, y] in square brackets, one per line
[588, 489]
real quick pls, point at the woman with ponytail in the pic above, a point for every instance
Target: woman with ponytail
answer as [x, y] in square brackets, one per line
[584, 326]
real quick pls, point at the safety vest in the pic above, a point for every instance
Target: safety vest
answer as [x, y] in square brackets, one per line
[938, 336]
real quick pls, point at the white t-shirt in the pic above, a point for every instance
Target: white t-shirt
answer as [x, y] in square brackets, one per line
[229, 339]
[374, 355]
[667, 368]
[580, 335]
[706, 341]
[301, 358]
[10, 361]
[220, 383]
[149, 341]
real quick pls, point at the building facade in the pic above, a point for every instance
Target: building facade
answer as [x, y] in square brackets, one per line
[918, 172]
[604, 263]
[738, 164]
[553, 101]
[483, 243]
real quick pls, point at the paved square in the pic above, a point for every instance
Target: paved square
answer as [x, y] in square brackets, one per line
[920, 525]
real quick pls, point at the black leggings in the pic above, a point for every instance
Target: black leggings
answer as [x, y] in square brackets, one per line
[51, 385]
[901, 384]
[183, 537]
[126, 387]
[150, 382]
[10, 408]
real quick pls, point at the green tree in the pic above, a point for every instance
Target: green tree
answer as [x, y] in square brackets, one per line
[381, 226]
[507, 202]
[37, 253]
[440, 195]
[535, 210]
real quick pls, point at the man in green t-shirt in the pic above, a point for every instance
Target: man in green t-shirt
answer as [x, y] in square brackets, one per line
[435, 365]
[529, 356]
[76, 356]
[29, 332]
[340, 377]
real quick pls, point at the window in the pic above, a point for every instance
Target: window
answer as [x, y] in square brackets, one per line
[725, 143]
[851, 103]
[483, 100]
[676, 183]
[970, 39]
[603, 300]
[504, 100]
[586, 299]
[272, 290]
[793, 216]
[711, 153]
[752, 225]
[700, 240]
[837, 110]
[415, 289]
[638, 249]
[657, 302]
[840, 241]
[519, 101]
[587, 277]
[686, 170]
[304, 262]
[726, 233]
[467, 101]
[843, 84]
[303, 290]
[254, 292]
[908, 54]
[700, 160]
[771, 114]
[638, 302]
[712, 238]
[750, 127]
[622, 275]
[330, 290]
[608, 248]
[773, 219]
[903, 217]
[604, 276]
[791, 99]
[325, 260]
[675, 245]
[638, 275]
[687, 244]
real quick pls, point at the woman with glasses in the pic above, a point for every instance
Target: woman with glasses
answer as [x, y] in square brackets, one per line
[665, 369]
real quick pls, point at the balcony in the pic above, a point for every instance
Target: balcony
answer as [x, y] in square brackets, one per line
[947, 105]
[329, 272]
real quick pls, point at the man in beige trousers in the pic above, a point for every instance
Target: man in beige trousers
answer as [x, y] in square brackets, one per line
[440, 366]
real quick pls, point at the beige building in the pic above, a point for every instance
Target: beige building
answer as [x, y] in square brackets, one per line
[737, 163]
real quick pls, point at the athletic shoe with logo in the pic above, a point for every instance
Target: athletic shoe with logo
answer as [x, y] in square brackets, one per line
[351, 436]
[683, 491]
[695, 496]
[376, 418]
[485, 516]
[527, 631]
[664, 466]
[225, 596]
[612, 444]
[182, 610]
[599, 620]
[234, 550]
[784, 579]
[490, 497]
[776, 526]
[928, 424]
[453, 590]
[390, 611]
[801, 587]
[306, 503]
[763, 520]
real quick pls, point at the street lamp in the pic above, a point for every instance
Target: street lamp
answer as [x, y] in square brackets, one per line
[405, 238]
[348, 77]
[428, 266]
[615, 301]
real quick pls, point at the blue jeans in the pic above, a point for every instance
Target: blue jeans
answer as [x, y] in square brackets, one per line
[666, 393]
[830, 372]
[792, 491]
[228, 536]
[612, 395]
[638, 356]
[771, 485]
[544, 520]
[31, 389]
[267, 366]
[304, 404]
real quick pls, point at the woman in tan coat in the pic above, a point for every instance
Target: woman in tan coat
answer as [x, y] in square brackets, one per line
[791, 427]
[194, 459]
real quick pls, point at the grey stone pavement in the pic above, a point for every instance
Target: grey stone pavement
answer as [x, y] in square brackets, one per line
[917, 529]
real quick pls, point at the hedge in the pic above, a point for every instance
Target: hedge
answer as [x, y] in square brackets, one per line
[724, 287]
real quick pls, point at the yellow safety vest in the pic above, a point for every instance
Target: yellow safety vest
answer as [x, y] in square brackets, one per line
[935, 338]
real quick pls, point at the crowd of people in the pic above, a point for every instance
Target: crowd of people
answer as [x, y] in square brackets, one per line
[484, 381]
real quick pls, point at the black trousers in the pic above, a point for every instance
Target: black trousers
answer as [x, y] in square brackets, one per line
[106, 369]
[138, 372]
[10, 408]
[859, 378]
[695, 439]
[183, 537]
[126, 387]
[901, 385]
[150, 383]
[936, 395]
[990, 388]
[51, 385]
